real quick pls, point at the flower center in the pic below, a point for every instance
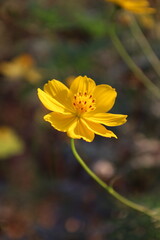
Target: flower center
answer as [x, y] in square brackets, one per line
[83, 102]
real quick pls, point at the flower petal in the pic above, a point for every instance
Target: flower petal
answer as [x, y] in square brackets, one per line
[99, 129]
[105, 97]
[139, 9]
[82, 84]
[59, 92]
[81, 130]
[108, 119]
[136, 6]
[61, 122]
[49, 102]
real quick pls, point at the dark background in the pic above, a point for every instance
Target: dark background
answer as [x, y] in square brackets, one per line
[44, 193]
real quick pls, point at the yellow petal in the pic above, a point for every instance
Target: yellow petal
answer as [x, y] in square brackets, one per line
[139, 9]
[80, 130]
[59, 92]
[99, 129]
[139, 3]
[105, 97]
[136, 6]
[108, 119]
[135, 3]
[61, 122]
[140, 6]
[49, 102]
[82, 85]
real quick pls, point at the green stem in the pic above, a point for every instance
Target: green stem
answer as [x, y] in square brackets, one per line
[109, 188]
[134, 68]
[144, 44]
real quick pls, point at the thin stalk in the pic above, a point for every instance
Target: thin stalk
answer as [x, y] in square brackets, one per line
[134, 68]
[109, 189]
[144, 44]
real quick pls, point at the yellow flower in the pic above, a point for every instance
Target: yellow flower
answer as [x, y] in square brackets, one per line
[135, 6]
[22, 66]
[10, 143]
[80, 110]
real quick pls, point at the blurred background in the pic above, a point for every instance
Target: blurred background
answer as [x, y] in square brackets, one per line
[44, 193]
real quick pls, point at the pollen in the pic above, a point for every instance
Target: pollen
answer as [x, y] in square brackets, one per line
[84, 102]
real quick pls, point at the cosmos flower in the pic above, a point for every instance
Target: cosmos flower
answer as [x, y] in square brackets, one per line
[22, 66]
[135, 6]
[81, 110]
